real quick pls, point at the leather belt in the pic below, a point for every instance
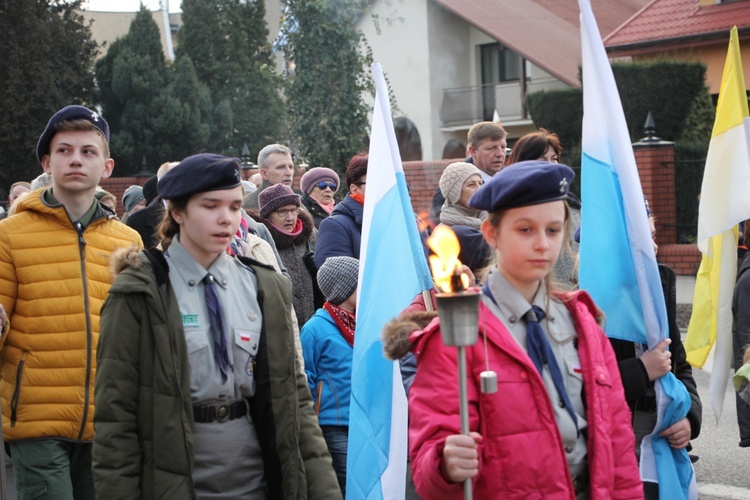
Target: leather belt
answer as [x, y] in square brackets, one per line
[222, 412]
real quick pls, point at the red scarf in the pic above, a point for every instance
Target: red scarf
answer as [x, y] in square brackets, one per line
[345, 320]
[359, 198]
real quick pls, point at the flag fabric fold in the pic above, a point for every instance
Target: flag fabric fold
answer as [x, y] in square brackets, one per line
[617, 261]
[393, 269]
[724, 204]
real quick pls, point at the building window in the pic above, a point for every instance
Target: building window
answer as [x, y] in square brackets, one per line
[499, 64]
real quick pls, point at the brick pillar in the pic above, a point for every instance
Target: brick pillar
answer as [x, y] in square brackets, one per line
[655, 160]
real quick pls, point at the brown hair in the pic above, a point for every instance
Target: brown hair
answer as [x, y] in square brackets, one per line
[534, 145]
[169, 228]
[485, 130]
[82, 126]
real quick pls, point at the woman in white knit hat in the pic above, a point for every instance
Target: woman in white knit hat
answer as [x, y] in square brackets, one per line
[458, 182]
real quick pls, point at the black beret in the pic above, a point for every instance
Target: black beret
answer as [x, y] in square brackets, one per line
[198, 174]
[522, 184]
[69, 113]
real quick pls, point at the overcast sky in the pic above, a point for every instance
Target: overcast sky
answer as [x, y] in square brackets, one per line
[129, 5]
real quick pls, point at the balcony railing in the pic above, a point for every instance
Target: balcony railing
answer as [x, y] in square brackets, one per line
[467, 105]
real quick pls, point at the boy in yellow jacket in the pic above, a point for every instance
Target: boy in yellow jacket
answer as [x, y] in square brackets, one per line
[54, 277]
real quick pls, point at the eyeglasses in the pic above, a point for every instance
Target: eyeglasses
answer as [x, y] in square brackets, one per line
[360, 184]
[323, 185]
[285, 212]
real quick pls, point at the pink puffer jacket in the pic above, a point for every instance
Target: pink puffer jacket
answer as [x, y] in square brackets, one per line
[522, 455]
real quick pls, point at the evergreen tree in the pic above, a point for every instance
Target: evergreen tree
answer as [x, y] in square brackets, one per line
[328, 118]
[47, 58]
[155, 110]
[227, 42]
[182, 113]
[136, 73]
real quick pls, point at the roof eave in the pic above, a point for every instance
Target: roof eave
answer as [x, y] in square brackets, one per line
[677, 40]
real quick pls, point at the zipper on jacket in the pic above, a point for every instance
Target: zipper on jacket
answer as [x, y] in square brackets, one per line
[87, 311]
[17, 390]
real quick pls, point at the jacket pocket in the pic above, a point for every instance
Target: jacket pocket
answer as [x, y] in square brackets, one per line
[244, 351]
[32, 490]
[17, 390]
[514, 404]
[574, 378]
[604, 393]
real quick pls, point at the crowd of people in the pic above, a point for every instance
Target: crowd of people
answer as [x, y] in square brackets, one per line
[201, 346]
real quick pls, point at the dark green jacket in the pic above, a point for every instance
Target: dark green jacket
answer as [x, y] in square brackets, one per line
[144, 431]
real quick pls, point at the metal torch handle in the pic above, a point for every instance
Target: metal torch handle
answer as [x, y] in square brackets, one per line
[463, 401]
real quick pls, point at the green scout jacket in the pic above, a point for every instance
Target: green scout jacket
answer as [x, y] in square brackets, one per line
[144, 431]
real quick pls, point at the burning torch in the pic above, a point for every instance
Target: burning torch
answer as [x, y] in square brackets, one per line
[458, 310]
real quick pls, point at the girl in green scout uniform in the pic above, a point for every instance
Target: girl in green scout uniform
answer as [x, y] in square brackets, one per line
[198, 384]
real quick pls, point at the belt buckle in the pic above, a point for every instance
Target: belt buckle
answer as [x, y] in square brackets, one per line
[222, 412]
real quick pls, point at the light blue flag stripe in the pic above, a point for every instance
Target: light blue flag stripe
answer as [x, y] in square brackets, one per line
[608, 273]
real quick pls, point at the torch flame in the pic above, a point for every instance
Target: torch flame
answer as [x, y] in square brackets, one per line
[423, 220]
[446, 268]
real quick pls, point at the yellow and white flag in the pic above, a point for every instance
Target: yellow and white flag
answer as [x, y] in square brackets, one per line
[725, 202]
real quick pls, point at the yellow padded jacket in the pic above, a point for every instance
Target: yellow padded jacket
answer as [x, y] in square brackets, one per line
[54, 278]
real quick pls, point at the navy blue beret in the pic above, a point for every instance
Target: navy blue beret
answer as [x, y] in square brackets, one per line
[69, 113]
[198, 174]
[522, 184]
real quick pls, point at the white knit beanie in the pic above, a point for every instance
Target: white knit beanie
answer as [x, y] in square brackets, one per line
[453, 179]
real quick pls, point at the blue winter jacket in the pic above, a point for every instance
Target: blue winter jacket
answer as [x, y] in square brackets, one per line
[328, 365]
[340, 233]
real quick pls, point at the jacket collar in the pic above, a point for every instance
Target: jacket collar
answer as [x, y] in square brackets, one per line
[36, 202]
[351, 209]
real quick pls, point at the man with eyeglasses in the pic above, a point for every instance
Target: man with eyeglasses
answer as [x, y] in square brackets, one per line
[318, 187]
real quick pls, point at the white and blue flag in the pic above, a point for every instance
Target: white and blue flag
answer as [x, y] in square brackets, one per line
[393, 269]
[617, 262]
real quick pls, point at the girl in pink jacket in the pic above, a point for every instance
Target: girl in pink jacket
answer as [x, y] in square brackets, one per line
[558, 426]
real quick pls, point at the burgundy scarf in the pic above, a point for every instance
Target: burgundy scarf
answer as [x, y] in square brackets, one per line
[345, 320]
